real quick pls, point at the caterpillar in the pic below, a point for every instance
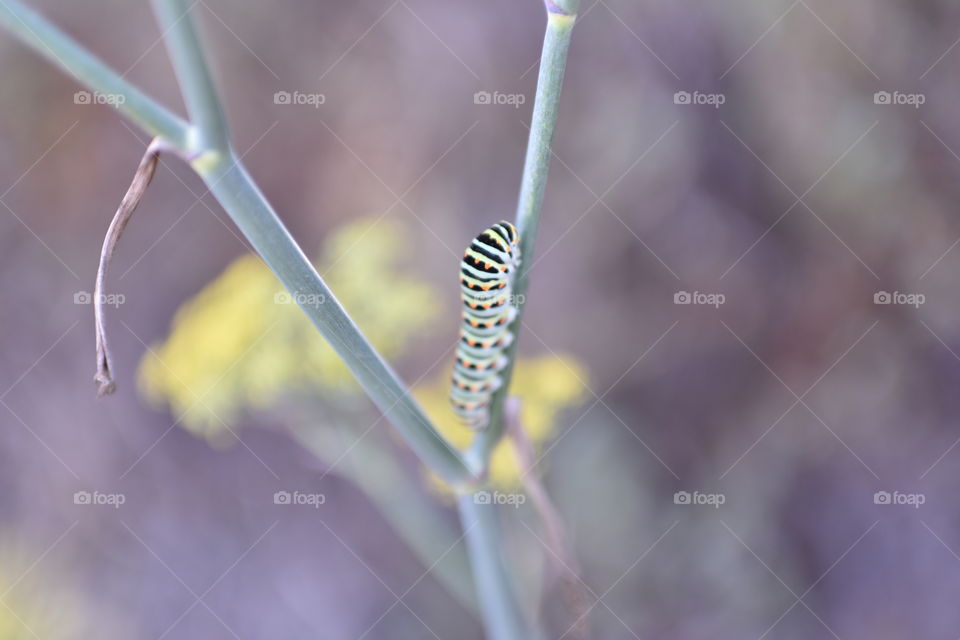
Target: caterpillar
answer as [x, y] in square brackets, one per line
[486, 290]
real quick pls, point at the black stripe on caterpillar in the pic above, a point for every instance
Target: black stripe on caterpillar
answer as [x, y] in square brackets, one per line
[486, 290]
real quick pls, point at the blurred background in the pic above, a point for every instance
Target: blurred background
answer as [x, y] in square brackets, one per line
[745, 278]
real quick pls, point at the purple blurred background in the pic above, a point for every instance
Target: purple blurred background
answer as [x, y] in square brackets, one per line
[795, 163]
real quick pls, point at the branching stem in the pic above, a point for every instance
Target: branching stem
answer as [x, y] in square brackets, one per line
[205, 143]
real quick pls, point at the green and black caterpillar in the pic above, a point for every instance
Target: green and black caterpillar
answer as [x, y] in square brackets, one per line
[486, 289]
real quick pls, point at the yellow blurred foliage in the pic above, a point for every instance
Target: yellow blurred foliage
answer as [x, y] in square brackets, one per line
[545, 385]
[36, 604]
[241, 341]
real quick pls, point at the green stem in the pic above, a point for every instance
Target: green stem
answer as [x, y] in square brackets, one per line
[230, 184]
[62, 50]
[560, 19]
[212, 158]
[237, 193]
[498, 604]
[244, 202]
[193, 73]
[502, 617]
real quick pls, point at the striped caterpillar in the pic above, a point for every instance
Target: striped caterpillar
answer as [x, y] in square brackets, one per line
[486, 289]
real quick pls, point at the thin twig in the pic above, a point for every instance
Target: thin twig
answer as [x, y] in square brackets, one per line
[561, 560]
[193, 73]
[141, 180]
[502, 617]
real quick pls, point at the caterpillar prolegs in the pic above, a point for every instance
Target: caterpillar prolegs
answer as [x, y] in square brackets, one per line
[486, 290]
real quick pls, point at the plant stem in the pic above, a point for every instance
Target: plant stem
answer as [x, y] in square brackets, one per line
[244, 202]
[211, 157]
[560, 19]
[193, 73]
[237, 193]
[62, 50]
[498, 604]
[501, 613]
[229, 182]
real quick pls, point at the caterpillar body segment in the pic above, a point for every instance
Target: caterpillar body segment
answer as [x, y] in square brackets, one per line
[488, 308]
